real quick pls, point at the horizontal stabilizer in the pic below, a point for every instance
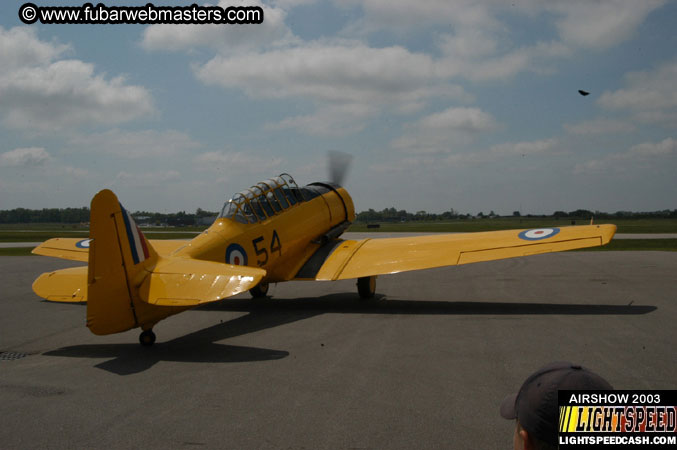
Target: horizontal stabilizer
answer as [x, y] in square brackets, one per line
[64, 285]
[77, 249]
[190, 282]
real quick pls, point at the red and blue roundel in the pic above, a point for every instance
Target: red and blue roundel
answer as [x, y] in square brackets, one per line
[538, 233]
[83, 243]
[236, 255]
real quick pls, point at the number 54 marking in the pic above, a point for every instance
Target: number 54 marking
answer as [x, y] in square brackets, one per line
[275, 246]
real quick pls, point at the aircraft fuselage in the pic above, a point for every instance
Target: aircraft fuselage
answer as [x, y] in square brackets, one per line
[281, 243]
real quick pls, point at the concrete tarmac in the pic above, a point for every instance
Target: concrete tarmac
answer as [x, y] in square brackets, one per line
[424, 366]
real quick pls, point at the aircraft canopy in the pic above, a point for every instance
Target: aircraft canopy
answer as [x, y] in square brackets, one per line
[263, 200]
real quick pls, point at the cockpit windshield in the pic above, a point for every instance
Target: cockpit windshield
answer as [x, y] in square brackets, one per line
[263, 200]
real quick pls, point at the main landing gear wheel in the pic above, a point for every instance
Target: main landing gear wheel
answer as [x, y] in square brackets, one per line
[366, 287]
[147, 338]
[260, 290]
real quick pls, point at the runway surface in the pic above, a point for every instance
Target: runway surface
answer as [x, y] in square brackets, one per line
[425, 366]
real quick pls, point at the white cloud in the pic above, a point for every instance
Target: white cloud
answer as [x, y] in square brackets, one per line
[443, 131]
[666, 147]
[24, 157]
[468, 43]
[20, 47]
[151, 179]
[288, 4]
[482, 45]
[344, 76]
[224, 38]
[39, 158]
[470, 120]
[647, 155]
[348, 80]
[346, 72]
[595, 24]
[135, 144]
[332, 120]
[600, 126]
[407, 165]
[594, 166]
[650, 95]
[403, 15]
[434, 154]
[70, 172]
[40, 92]
[600, 24]
[229, 163]
[481, 55]
[524, 148]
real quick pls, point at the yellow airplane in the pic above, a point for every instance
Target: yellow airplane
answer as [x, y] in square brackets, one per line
[269, 233]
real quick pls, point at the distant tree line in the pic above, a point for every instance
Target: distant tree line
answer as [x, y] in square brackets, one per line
[47, 215]
[179, 219]
[583, 213]
[182, 218]
[81, 215]
[394, 215]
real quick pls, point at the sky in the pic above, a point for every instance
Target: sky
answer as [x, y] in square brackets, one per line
[464, 104]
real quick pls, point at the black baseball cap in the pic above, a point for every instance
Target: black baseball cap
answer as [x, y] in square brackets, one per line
[536, 405]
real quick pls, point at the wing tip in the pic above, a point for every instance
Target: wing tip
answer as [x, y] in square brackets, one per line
[608, 232]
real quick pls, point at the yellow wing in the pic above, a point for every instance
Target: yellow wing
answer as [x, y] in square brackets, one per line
[78, 249]
[340, 260]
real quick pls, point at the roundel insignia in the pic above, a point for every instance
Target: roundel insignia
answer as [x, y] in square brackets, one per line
[83, 243]
[538, 233]
[236, 255]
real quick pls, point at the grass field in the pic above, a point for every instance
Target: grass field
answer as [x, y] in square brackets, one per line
[42, 232]
[18, 251]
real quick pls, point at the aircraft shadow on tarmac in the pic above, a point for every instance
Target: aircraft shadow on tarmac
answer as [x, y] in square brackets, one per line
[202, 346]
[351, 304]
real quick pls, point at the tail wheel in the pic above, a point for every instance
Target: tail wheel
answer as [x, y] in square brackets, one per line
[147, 338]
[366, 287]
[260, 290]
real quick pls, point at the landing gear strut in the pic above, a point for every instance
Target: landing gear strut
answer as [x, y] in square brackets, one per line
[366, 287]
[260, 290]
[147, 338]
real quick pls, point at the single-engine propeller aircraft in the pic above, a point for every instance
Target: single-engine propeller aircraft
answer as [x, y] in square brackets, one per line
[272, 232]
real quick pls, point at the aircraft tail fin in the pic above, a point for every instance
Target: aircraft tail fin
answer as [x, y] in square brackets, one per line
[129, 285]
[120, 258]
[126, 284]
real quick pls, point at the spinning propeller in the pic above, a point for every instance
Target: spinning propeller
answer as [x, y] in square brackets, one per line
[339, 163]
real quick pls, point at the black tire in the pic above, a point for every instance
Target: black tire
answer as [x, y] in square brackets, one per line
[147, 338]
[260, 290]
[366, 287]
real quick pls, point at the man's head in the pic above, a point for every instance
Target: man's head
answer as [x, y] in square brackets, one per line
[536, 407]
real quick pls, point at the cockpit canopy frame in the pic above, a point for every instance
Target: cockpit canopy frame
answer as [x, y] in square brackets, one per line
[263, 200]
